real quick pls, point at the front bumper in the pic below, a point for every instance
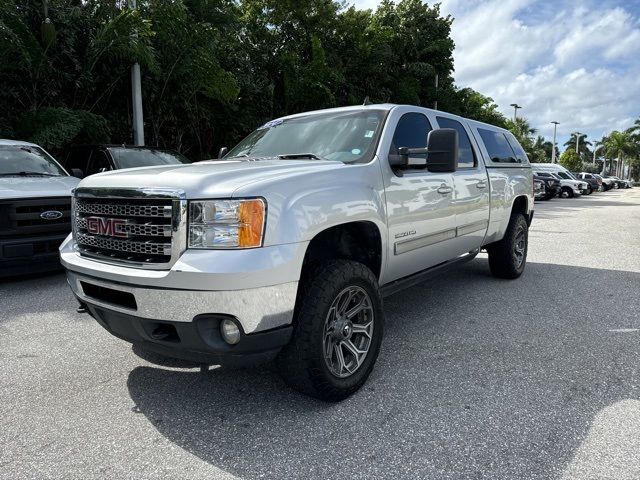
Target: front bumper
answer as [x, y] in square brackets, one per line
[255, 309]
[257, 287]
[32, 254]
[198, 341]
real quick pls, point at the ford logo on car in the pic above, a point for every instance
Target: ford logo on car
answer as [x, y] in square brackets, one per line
[51, 215]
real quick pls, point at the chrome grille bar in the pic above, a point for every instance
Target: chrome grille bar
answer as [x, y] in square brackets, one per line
[145, 248]
[125, 210]
[136, 227]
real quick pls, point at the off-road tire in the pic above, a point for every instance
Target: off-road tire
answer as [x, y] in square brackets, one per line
[503, 260]
[301, 363]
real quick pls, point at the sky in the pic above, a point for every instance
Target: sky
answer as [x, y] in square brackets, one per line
[574, 62]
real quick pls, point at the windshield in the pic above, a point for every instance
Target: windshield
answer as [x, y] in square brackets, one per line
[347, 137]
[142, 157]
[567, 175]
[28, 160]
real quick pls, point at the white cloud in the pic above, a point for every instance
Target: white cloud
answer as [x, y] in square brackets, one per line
[572, 61]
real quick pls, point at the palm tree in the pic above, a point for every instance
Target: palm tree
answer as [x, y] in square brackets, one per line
[620, 145]
[583, 146]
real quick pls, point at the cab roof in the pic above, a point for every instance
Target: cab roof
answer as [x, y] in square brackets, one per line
[390, 106]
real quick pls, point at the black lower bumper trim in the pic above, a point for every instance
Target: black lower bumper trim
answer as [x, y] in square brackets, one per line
[39, 264]
[196, 341]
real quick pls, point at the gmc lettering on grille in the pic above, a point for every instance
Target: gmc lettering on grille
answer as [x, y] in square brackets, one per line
[113, 227]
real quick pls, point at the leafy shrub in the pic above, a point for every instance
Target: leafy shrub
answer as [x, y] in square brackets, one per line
[55, 128]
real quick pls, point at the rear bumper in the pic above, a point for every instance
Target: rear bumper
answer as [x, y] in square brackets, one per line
[197, 341]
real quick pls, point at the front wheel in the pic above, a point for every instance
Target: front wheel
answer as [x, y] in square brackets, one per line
[508, 257]
[567, 192]
[338, 329]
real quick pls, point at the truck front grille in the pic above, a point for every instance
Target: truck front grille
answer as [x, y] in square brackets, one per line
[133, 227]
[28, 217]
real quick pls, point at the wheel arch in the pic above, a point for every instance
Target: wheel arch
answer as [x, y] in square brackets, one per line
[360, 241]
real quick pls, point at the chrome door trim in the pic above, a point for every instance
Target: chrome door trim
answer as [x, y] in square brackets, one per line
[472, 227]
[423, 241]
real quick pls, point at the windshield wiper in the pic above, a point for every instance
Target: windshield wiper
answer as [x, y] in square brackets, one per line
[24, 174]
[294, 156]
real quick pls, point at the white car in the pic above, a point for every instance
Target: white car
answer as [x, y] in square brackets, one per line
[570, 188]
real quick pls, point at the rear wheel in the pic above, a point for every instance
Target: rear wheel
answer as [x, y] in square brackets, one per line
[508, 257]
[338, 331]
[589, 190]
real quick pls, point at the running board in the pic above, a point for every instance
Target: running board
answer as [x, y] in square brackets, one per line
[412, 280]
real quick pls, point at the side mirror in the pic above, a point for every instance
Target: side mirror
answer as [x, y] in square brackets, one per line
[442, 145]
[76, 172]
[441, 151]
[223, 151]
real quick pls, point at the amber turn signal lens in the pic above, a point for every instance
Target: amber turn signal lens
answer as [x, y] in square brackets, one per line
[251, 216]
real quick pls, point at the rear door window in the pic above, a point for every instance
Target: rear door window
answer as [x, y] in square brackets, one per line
[466, 156]
[521, 156]
[497, 146]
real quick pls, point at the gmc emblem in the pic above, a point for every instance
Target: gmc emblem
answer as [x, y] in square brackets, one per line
[113, 227]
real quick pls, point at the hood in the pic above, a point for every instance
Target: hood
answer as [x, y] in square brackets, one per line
[209, 179]
[36, 187]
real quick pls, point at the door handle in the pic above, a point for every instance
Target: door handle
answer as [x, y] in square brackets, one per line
[481, 184]
[444, 189]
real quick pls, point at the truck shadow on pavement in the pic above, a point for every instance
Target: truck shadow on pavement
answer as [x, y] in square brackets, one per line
[478, 378]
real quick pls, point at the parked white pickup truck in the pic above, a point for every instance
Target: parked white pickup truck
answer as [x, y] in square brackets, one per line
[285, 247]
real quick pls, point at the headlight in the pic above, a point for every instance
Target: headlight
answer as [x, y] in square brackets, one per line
[226, 223]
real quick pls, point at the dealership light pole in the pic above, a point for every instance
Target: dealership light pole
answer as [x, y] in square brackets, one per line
[136, 99]
[578, 135]
[594, 152]
[515, 111]
[553, 150]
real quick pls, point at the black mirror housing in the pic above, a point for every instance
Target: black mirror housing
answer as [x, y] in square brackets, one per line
[223, 151]
[76, 172]
[442, 145]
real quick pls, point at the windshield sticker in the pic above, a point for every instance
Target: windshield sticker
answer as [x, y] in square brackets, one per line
[356, 151]
[271, 124]
[368, 134]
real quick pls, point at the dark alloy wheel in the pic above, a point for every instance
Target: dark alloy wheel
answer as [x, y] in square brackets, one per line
[348, 331]
[508, 257]
[338, 328]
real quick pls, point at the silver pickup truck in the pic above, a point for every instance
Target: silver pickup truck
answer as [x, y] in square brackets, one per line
[284, 248]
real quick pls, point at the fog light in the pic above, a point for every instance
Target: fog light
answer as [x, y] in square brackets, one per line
[229, 331]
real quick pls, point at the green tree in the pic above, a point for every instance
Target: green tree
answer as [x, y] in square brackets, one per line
[583, 147]
[571, 160]
[474, 105]
[622, 146]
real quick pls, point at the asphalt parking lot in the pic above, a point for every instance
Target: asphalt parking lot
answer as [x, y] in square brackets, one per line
[478, 378]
